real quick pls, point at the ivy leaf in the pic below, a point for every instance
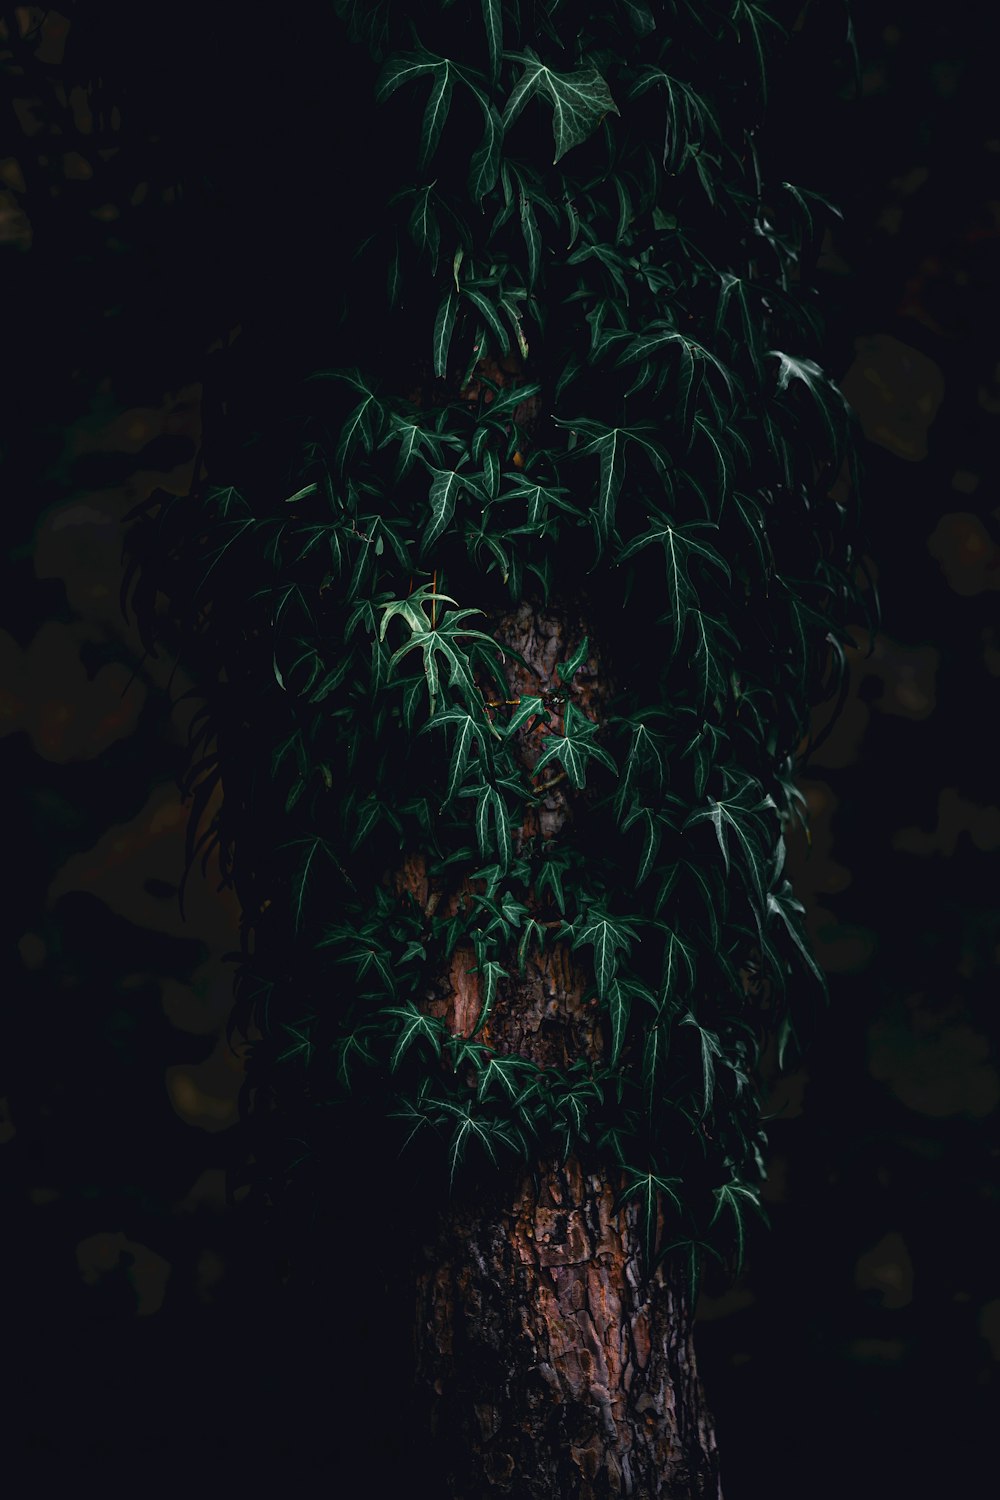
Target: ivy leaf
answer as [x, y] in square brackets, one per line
[446, 486]
[647, 1188]
[414, 1026]
[690, 118]
[606, 935]
[579, 100]
[609, 446]
[469, 1126]
[484, 167]
[645, 756]
[493, 21]
[353, 1046]
[436, 112]
[654, 1056]
[733, 819]
[469, 732]
[491, 806]
[308, 489]
[567, 670]
[424, 226]
[826, 395]
[506, 1072]
[539, 499]
[574, 747]
[708, 631]
[443, 640]
[490, 972]
[640, 17]
[301, 1045]
[619, 1004]
[681, 544]
[693, 1250]
[532, 239]
[528, 708]
[488, 313]
[444, 326]
[783, 905]
[737, 1197]
[653, 834]
[550, 877]
[754, 18]
[734, 288]
[679, 959]
[404, 68]
[710, 1050]
[304, 874]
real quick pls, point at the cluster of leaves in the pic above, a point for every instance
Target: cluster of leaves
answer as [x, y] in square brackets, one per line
[601, 300]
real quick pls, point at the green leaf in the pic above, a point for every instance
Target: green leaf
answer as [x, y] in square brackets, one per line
[754, 17]
[690, 118]
[654, 1056]
[710, 1050]
[783, 905]
[445, 641]
[681, 544]
[304, 873]
[679, 962]
[606, 935]
[609, 446]
[574, 747]
[489, 316]
[640, 17]
[444, 326]
[580, 100]
[652, 836]
[493, 21]
[737, 1197]
[414, 1026]
[404, 68]
[484, 167]
[490, 973]
[647, 1188]
[550, 877]
[308, 489]
[827, 396]
[469, 1126]
[424, 226]
[619, 1004]
[567, 670]
[503, 1076]
[733, 819]
[528, 708]
[446, 486]
[436, 112]
[469, 733]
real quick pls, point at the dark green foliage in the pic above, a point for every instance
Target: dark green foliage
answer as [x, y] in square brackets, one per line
[577, 186]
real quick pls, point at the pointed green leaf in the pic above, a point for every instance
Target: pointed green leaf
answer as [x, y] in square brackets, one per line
[493, 21]
[579, 100]
[444, 325]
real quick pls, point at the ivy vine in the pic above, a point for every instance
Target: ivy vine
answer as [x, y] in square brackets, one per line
[589, 376]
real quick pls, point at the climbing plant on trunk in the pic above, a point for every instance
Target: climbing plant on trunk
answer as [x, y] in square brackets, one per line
[510, 640]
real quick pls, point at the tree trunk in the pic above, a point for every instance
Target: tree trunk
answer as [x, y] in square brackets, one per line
[553, 1369]
[551, 1366]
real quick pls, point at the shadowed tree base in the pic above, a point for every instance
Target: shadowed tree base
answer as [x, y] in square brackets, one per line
[552, 1371]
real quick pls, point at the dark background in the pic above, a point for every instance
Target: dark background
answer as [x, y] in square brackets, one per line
[173, 186]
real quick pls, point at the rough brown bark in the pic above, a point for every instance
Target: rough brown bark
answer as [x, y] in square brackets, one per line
[551, 1368]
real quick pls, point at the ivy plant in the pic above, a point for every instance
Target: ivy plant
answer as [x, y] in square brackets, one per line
[596, 377]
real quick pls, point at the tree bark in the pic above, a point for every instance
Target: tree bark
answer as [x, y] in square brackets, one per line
[551, 1368]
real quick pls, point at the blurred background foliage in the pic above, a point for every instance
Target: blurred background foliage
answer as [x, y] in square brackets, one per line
[170, 178]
